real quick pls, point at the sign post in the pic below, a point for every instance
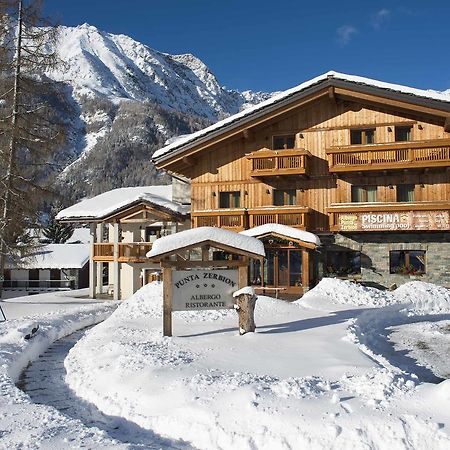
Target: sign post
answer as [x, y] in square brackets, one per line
[194, 284]
[167, 301]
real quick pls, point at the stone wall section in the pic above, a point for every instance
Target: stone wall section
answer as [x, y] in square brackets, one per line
[375, 248]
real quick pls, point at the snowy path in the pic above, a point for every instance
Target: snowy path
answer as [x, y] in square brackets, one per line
[44, 382]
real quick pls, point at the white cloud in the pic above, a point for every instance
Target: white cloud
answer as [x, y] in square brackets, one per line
[380, 17]
[345, 34]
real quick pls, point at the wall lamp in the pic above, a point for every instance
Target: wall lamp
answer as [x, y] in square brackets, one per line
[389, 129]
[214, 194]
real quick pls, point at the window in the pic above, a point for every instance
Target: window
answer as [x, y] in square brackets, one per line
[230, 199]
[402, 134]
[341, 263]
[152, 233]
[405, 192]
[407, 262]
[362, 137]
[364, 194]
[284, 142]
[284, 197]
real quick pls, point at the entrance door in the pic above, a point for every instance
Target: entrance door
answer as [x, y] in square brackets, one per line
[283, 268]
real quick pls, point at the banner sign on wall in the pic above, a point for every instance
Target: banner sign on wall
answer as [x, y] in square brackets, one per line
[396, 220]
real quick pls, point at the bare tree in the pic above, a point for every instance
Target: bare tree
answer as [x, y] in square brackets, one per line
[29, 129]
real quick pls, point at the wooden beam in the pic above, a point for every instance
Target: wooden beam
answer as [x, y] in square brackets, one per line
[305, 270]
[167, 301]
[205, 252]
[243, 274]
[398, 104]
[213, 244]
[202, 264]
[248, 134]
[331, 94]
[188, 161]
[447, 125]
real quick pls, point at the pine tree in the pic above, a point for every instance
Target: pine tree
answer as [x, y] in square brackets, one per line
[29, 130]
[56, 232]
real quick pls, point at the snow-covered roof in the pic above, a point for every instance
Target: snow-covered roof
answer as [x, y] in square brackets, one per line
[56, 256]
[283, 230]
[80, 236]
[183, 142]
[113, 201]
[168, 244]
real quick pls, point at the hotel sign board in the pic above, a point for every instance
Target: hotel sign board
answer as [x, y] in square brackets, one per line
[395, 221]
[194, 290]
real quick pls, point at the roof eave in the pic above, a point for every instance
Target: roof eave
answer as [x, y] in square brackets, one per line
[330, 81]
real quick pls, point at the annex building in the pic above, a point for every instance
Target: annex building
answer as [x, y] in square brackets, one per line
[364, 165]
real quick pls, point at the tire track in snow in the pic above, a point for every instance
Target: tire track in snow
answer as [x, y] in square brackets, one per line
[44, 382]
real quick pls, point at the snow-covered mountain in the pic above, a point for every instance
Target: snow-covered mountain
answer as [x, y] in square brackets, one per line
[118, 67]
[125, 100]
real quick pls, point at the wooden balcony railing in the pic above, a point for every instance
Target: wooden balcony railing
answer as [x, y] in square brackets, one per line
[266, 162]
[404, 216]
[104, 251]
[394, 156]
[293, 216]
[134, 251]
[128, 251]
[241, 219]
[231, 219]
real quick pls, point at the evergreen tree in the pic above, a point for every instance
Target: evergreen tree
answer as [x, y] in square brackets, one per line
[29, 129]
[56, 232]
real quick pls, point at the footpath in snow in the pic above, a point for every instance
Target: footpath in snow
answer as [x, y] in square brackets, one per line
[23, 424]
[318, 373]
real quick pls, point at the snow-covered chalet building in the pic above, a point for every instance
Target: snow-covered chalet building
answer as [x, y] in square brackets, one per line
[360, 163]
[123, 225]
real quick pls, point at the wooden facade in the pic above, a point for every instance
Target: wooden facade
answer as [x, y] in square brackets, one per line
[322, 128]
[323, 168]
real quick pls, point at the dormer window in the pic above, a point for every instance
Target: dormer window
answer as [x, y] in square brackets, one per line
[284, 142]
[362, 137]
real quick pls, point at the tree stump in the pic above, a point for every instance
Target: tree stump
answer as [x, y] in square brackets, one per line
[245, 307]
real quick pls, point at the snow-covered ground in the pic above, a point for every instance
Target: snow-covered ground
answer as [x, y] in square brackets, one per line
[23, 424]
[318, 373]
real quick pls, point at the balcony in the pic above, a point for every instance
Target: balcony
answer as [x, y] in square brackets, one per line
[269, 163]
[241, 219]
[393, 156]
[129, 252]
[414, 216]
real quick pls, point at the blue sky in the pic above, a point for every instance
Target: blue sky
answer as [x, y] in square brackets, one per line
[273, 45]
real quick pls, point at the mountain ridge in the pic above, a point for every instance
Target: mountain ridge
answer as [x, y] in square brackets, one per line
[125, 100]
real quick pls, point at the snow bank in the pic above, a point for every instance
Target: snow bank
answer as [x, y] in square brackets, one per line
[418, 297]
[426, 298]
[344, 292]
